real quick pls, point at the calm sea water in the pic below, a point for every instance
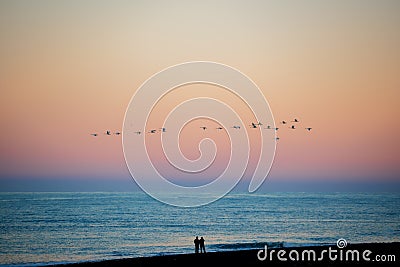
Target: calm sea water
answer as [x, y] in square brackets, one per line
[73, 227]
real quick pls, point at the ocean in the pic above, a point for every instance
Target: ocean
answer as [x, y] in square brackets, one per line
[48, 228]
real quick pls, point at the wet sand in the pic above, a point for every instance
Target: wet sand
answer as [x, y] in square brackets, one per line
[249, 257]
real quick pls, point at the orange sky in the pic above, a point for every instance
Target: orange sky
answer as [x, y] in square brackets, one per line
[69, 68]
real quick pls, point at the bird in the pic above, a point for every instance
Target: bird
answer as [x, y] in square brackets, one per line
[295, 120]
[276, 129]
[163, 130]
[235, 127]
[268, 127]
[117, 133]
[152, 131]
[203, 127]
[293, 127]
[277, 138]
[94, 134]
[108, 132]
[308, 128]
[138, 132]
[283, 122]
[253, 125]
[219, 128]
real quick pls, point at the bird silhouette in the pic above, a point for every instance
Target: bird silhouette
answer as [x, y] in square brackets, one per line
[269, 128]
[252, 125]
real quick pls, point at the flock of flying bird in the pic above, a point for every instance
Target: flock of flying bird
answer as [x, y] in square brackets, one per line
[252, 125]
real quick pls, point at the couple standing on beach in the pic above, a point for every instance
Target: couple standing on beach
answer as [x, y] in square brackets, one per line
[199, 243]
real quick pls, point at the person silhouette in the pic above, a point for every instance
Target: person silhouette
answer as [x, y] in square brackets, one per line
[196, 244]
[202, 247]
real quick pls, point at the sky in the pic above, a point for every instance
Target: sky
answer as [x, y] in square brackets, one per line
[70, 68]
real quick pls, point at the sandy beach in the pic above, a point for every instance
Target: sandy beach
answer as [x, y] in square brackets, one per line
[381, 254]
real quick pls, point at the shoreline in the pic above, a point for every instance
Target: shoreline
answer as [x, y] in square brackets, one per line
[388, 251]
